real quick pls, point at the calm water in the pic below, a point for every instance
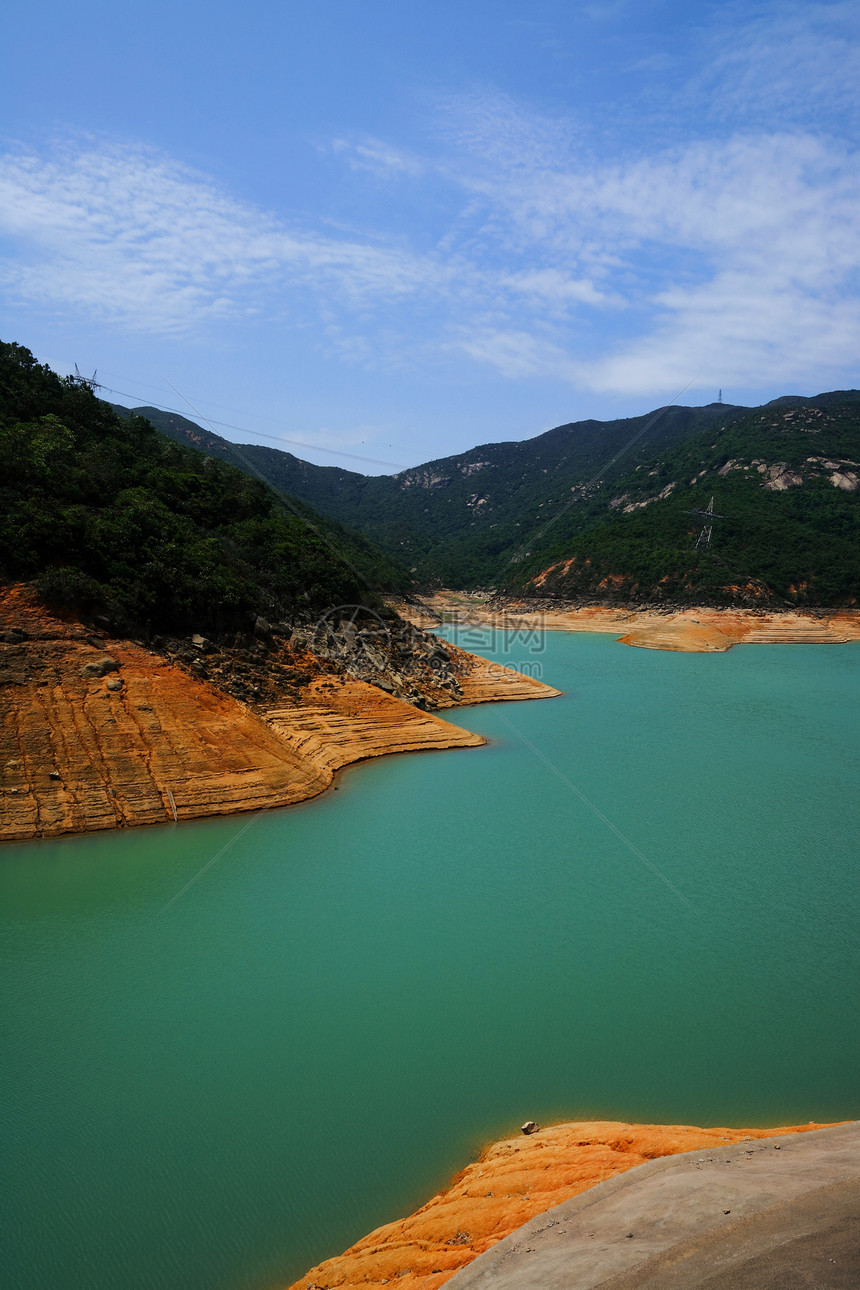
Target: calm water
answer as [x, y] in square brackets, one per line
[362, 990]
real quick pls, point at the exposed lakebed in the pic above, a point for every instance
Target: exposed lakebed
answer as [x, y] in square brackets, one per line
[216, 1087]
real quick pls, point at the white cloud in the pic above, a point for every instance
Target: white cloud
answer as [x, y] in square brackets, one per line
[379, 158]
[788, 61]
[740, 257]
[555, 287]
[730, 332]
[517, 353]
[126, 233]
[735, 255]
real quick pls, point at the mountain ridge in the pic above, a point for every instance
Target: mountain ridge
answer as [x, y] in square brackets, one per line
[511, 514]
[433, 535]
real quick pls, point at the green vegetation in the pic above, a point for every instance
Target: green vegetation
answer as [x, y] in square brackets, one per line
[457, 520]
[502, 514]
[781, 479]
[172, 528]
[105, 513]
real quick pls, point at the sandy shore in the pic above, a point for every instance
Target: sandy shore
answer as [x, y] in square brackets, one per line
[694, 631]
[512, 1182]
[81, 753]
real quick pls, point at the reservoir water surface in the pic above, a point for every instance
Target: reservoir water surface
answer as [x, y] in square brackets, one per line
[638, 902]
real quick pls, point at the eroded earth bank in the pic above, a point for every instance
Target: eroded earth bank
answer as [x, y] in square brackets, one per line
[100, 733]
[687, 630]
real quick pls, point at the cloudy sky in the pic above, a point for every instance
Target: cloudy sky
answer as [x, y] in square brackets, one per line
[394, 229]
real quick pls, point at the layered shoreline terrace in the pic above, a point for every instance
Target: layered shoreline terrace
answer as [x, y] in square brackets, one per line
[148, 741]
[690, 630]
[101, 733]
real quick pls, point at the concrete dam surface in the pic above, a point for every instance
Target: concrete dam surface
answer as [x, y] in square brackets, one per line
[776, 1214]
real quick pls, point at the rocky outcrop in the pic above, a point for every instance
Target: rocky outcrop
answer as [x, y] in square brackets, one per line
[99, 734]
[778, 476]
[512, 1182]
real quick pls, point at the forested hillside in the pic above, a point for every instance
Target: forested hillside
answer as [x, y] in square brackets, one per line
[106, 514]
[557, 516]
[785, 486]
[456, 520]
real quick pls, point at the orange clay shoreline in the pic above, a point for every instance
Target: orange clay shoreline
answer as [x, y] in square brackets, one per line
[79, 754]
[513, 1181]
[148, 742]
[691, 630]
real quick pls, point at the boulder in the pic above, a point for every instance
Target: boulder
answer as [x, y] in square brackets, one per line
[262, 630]
[100, 666]
[530, 1127]
[115, 683]
[200, 642]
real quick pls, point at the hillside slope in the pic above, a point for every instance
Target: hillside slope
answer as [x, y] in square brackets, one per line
[105, 512]
[456, 520]
[556, 516]
[784, 480]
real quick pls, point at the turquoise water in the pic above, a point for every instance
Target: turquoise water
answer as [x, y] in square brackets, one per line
[362, 990]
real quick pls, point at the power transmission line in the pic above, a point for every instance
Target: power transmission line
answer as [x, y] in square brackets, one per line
[225, 425]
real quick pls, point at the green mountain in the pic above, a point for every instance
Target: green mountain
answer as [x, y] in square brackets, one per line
[785, 484]
[457, 520]
[604, 510]
[102, 512]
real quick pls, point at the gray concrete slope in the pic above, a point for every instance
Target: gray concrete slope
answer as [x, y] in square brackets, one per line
[774, 1214]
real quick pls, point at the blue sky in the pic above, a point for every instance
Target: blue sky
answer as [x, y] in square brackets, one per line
[398, 230]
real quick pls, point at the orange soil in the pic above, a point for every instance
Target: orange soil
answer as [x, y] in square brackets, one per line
[77, 754]
[514, 1181]
[687, 630]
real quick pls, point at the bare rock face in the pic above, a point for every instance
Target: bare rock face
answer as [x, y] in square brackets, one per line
[514, 1181]
[100, 667]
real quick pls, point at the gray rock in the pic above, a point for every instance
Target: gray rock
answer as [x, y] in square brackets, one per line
[201, 643]
[530, 1127]
[262, 630]
[300, 641]
[13, 637]
[115, 683]
[100, 666]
